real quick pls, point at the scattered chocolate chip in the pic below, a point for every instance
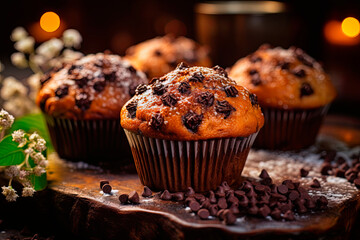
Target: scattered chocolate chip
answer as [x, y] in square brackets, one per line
[229, 217]
[293, 195]
[304, 172]
[141, 89]
[147, 192]
[264, 174]
[220, 192]
[255, 79]
[179, 196]
[192, 121]
[103, 182]
[289, 215]
[82, 101]
[62, 91]
[220, 70]
[99, 86]
[325, 168]
[196, 77]
[131, 69]
[212, 197]
[225, 185]
[194, 206]
[254, 58]
[213, 209]
[351, 177]
[166, 195]
[339, 173]
[81, 82]
[321, 202]
[184, 88]
[169, 99]
[231, 91]
[134, 197]
[357, 182]
[156, 121]
[224, 107]
[315, 183]
[284, 65]
[189, 192]
[203, 213]
[299, 72]
[266, 181]
[253, 72]
[290, 185]
[282, 189]
[159, 89]
[124, 198]
[205, 98]
[158, 53]
[264, 211]
[199, 197]
[222, 204]
[111, 77]
[276, 214]
[106, 188]
[182, 66]
[131, 107]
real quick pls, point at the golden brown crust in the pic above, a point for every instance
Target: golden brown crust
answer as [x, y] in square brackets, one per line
[93, 87]
[287, 79]
[161, 55]
[192, 104]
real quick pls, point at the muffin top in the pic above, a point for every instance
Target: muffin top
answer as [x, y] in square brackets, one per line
[192, 103]
[161, 55]
[284, 78]
[93, 87]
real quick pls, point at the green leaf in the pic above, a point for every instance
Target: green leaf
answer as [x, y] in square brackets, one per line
[34, 122]
[10, 153]
[39, 182]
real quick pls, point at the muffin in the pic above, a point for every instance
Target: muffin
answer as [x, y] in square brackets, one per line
[82, 102]
[160, 55]
[294, 93]
[192, 127]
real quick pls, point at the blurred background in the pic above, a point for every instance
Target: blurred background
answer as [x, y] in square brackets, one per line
[231, 30]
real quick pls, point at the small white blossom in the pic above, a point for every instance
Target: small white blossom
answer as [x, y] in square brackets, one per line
[40, 145]
[12, 171]
[19, 60]
[6, 120]
[9, 193]
[19, 137]
[20, 105]
[51, 48]
[72, 38]
[12, 87]
[38, 171]
[34, 136]
[23, 174]
[38, 158]
[44, 163]
[18, 34]
[28, 192]
[25, 45]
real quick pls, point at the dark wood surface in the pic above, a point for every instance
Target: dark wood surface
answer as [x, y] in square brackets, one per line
[74, 205]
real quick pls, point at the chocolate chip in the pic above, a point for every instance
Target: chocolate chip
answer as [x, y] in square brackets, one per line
[351, 178]
[222, 203]
[189, 199]
[325, 168]
[203, 213]
[213, 209]
[239, 193]
[141, 89]
[182, 66]
[147, 192]
[231, 91]
[82, 101]
[264, 211]
[111, 77]
[194, 206]
[62, 91]
[306, 90]
[106, 188]
[289, 184]
[299, 72]
[339, 173]
[294, 195]
[315, 183]
[253, 210]
[179, 196]
[189, 192]
[196, 77]
[255, 79]
[253, 72]
[131, 107]
[264, 174]
[205, 98]
[81, 82]
[156, 121]
[304, 172]
[199, 197]
[157, 53]
[131, 69]
[224, 107]
[266, 181]
[229, 217]
[234, 209]
[166, 195]
[103, 182]
[357, 182]
[184, 88]
[289, 216]
[276, 214]
[124, 198]
[169, 99]
[220, 192]
[321, 202]
[134, 197]
[192, 121]
[282, 189]
[99, 86]
[205, 204]
[225, 185]
[159, 89]
[310, 203]
[220, 70]
[254, 58]
[284, 65]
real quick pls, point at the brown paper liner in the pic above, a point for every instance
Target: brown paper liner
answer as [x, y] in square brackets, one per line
[176, 165]
[290, 129]
[91, 141]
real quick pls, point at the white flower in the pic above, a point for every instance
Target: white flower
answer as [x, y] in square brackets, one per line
[72, 38]
[9, 193]
[70, 55]
[40, 145]
[20, 105]
[18, 34]
[12, 87]
[19, 137]
[12, 171]
[38, 158]
[38, 171]
[19, 60]
[25, 45]
[28, 192]
[51, 48]
[34, 136]
[44, 163]
[6, 120]
[23, 174]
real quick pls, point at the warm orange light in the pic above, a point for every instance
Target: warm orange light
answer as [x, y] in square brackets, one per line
[50, 22]
[334, 34]
[350, 27]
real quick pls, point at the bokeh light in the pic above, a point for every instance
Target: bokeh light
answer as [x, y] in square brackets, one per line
[350, 27]
[50, 22]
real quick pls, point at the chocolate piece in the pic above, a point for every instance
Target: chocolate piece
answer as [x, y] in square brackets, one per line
[357, 182]
[147, 192]
[103, 182]
[156, 121]
[282, 189]
[82, 101]
[315, 183]
[351, 177]
[264, 211]
[224, 107]
[220, 192]
[304, 172]
[254, 58]
[222, 203]
[205, 204]
[82, 82]
[184, 88]
[220, 214]
[260, 188]
[310, 203]
[234, 209]
[239, 193]
[179, 196]
[243, 201]
[131, 69]
[134, 197]
[192, 121]
[212, 197]
[293, 195]
[289, 184]
[339, 173]
[141, 89]
[182, 66]
[131, 107]
[203, 213]
[229, 217]
[306, 90]
[106, 188]
[194, 206]
[213, 209]
[299, 72]
[253, 210]
[284, 65]
[62, 91]
[99, 86]
[124, 198]
[289, 216]
[199, 197]
[189, 199]
[196, 77]
[321, 202]
[166, 195]
[231, 91]
[325, 168]
[276, 214]
[189, 192]
[264, 174]
[255, 79]
[159, 89]
[220, 70]
[111, 77]
[205, 98]
[266, 181]
[253, 72]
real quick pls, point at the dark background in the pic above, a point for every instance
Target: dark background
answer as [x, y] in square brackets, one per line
[116, 25]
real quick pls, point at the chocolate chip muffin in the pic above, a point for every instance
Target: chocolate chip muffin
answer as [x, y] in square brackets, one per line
[192, 127]
[160, 55]
[82, 102]
[293, 91]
